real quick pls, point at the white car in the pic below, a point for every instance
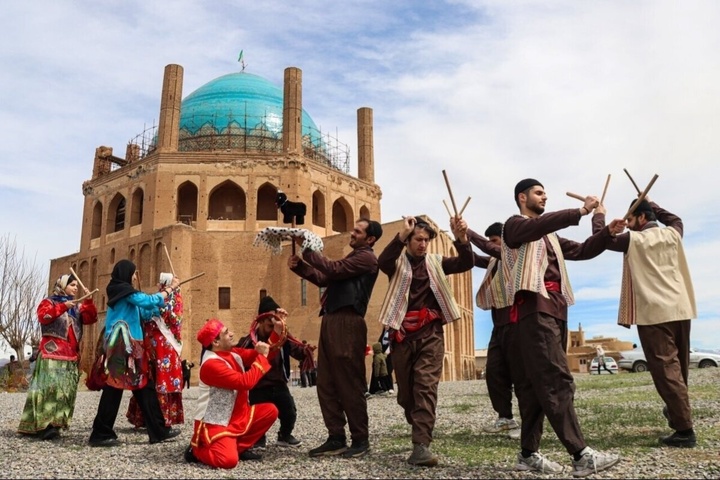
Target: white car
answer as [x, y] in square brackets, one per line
[634, 360]
[609, 363]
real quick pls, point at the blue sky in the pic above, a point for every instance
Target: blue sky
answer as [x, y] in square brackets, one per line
[566, 92]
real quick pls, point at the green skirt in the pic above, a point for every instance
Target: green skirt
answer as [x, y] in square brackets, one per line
[51, 396]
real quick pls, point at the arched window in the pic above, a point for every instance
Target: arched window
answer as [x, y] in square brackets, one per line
[266, 208]
[318, 209]
[116, 214]
[364, 212]
[342, 217]
[187, 196]
[227, 202]
[96, 228]
[136, 213]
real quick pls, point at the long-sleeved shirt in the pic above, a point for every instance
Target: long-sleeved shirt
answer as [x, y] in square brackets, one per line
[621, 243]
[518, 230]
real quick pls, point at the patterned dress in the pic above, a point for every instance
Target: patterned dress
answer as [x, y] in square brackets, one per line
[165, 364]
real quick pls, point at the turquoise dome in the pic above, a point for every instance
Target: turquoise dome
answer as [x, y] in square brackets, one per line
[243, 103]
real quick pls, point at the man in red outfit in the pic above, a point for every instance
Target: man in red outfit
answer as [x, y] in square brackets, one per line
[226, 425]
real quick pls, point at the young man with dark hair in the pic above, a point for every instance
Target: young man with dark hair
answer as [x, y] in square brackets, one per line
[341, 379]
[498, 377]
[661, 306]
[418, 303]
[535, 284]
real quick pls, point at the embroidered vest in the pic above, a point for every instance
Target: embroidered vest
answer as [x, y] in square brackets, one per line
[395, 304]
[60, 326]
[524, 269]
[487, 295]
[215, 405]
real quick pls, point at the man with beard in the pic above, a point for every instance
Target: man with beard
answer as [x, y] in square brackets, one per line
[661, 306]
[535, 284]
[343, 335]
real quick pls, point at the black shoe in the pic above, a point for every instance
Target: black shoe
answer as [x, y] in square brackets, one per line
[50, 433]
[190, 456]
[666, 414]
[248, 456]
[357, 449]
[260, 444]
[680, 440]
[288, 441]
[170, 433]
[105, 442]
[334, 445]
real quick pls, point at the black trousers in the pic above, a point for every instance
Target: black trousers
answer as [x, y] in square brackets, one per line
[278, 395]
[110, 404]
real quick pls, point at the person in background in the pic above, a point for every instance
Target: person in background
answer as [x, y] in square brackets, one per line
[187, 371]
[601, 359]
[51, 397]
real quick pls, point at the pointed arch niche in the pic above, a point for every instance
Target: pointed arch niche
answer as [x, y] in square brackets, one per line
[187, 205]
[96, 229]
[136, 207]
[318, 209]
[266, 208]
[364, 212]
[227, 202]
[342, 216]
[116, 214]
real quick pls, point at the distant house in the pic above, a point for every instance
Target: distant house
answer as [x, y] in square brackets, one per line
[580, 351]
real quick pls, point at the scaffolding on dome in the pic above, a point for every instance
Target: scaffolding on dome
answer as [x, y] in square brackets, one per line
[258, 134]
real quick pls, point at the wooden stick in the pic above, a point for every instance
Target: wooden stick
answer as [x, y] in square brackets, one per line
[576, 196]
[192, 278]
[607, 182]
[641, 197]
[292, 241]
[446, 208]
[452, 199]
[631, 179]
[85, 296]
[78, 279]
[167, 254]
[463, 207]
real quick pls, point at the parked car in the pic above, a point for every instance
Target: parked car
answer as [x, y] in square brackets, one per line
[634, 360]
[609, 363]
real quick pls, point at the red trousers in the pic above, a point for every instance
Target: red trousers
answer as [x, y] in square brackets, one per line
[225, 452]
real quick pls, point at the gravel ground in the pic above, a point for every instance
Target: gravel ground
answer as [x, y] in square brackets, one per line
[70, 456]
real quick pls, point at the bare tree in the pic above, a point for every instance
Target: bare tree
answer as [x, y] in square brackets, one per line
[22, 286]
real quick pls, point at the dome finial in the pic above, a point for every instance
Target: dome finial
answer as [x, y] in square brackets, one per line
[242, 61]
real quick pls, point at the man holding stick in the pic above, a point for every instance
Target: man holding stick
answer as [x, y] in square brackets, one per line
[418, 303]
[535, 284]
[341, 380]
[661, 306]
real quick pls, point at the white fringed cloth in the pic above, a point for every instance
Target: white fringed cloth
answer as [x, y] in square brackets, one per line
[272, 237]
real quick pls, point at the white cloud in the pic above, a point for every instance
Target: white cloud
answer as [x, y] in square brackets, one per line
[492, 92]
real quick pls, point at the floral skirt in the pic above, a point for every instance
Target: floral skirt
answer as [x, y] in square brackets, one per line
[51, 396]
[171, 405]
[126, 360]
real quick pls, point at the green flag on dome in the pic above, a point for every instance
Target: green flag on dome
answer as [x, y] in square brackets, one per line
[240, 57]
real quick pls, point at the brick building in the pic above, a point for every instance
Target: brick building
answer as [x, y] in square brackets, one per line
[203, 183]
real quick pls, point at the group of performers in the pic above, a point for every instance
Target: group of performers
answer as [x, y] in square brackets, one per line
[243, 383]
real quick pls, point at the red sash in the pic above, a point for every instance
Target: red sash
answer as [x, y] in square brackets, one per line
[549, 286]
[414, 320]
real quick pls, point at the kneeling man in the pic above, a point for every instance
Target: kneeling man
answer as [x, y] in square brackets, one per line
[226, 426]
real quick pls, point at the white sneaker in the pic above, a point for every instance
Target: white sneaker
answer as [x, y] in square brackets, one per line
[538, 463]
[502, 424]
[514, 434]
[593, 461]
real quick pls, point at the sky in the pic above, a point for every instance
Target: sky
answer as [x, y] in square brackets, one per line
[491, 92]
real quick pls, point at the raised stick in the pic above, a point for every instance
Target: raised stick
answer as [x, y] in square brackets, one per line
[192, 278]
[167, 254]
[631, 179]
[463, 207]
[85, 296]
[292, 240]
[576, 196]
[446, 208]
[78, 279]
[452, 199]
[607, 182]
[641, 197]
